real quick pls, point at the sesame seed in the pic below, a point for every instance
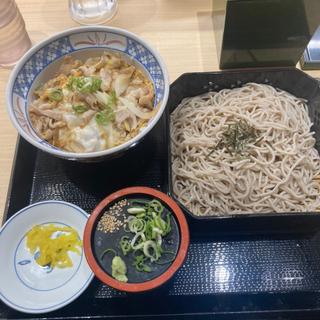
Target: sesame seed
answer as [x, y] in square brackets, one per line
[109, 221]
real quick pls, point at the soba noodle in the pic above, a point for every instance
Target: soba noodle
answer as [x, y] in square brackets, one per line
[274, 173]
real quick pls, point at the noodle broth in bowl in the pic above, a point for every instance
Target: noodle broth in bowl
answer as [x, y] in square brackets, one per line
[88, 93]
[244, 143]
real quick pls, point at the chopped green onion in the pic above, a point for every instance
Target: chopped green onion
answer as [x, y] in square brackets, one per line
[149, 230]
[138, 240]
[139, 202]
[146, 268]
[149, 225]
[151, 250]
[106, 251]
[55, 94]
[107, 100]
[125, 228]
[90, 85]
[79, 108]
[159, 240]
[125, 245]
[74, 83]
[84, 84]
[112, 99]
[139, 264]
[157, 230]
[160, 223]
[136, 210]
[136, 225]
[104, 117]
[156, 205]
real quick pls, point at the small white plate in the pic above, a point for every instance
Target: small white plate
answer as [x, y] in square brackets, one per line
[28, 287]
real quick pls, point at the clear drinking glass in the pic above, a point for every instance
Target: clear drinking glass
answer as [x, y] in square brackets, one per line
[14, 39]
[92, 11]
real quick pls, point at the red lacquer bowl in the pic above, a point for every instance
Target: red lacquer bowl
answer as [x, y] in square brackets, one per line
[175, 264]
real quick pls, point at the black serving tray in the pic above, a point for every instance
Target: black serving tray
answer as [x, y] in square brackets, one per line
[267, 268]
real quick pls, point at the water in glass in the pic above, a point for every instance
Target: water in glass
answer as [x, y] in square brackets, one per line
[92, 11]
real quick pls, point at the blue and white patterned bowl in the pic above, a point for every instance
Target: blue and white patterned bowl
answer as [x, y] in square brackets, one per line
[41, 62]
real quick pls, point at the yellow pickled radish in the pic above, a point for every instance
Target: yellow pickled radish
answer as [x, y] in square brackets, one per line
[53, 248]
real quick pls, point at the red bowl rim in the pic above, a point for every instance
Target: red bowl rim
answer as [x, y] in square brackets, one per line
[147, 285]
